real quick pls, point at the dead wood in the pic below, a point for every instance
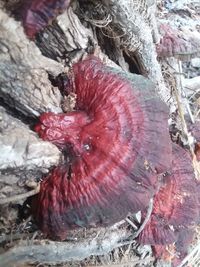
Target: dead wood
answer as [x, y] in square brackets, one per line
[22, 155]
[21, 149]
[59, 252]
[130, 24]
[68, 40]
[24, 71]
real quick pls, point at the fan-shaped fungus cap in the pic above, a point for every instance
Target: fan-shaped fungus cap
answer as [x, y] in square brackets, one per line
[114, 144]
[175, 252]
[175, 208]
[176, 43]
[37, 14]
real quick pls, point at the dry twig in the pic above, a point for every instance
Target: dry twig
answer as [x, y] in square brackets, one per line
[192, 257]
[148, 215]
[184, 124]
[21, 196]
[126, 264]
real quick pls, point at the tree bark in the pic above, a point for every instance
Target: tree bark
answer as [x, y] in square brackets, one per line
[22, 149]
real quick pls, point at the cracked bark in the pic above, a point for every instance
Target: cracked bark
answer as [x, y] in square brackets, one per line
[21, 149]
[24, 157]
[24, 72]
[59, 252]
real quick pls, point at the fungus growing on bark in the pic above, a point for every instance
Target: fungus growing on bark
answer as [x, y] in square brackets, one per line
[114, 145]
[175, 210]
[175, 43]
[37, 14]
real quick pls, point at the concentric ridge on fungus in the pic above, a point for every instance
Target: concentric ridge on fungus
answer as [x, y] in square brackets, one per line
[175, 210]
[114, 144]
[174, 43]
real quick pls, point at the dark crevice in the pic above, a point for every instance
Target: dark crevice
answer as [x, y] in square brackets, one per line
[52, 43]
[14, 8]
[133, 64]
[12, 111]
[108, 46]
[61, 81]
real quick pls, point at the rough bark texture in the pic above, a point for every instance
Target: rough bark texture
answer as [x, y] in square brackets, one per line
[131, 23]
[59, 252]
[24, 71]
[123, 34]
[67, 41]
[21, 149]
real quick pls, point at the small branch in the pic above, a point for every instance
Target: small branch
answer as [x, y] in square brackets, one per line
[183, 93]
[21, 196]
[192, 84]
[51, 252]
[149, 211]
[131, 238]
[180, 110]
[128, 264]
[13, 237]
[191, 257]
[131, 223]
[177, 89]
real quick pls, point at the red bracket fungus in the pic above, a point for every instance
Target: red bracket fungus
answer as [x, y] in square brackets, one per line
[175, 210]
[114, 145]
[37, 14]
[175, 43]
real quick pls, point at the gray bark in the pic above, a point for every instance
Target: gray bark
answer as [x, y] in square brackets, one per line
[21, 149]
[59, 252]
[24, 82]
[23, 156]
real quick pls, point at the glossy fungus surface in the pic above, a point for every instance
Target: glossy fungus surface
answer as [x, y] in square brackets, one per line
[37, 14]
[114, 145]
[175, 210]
